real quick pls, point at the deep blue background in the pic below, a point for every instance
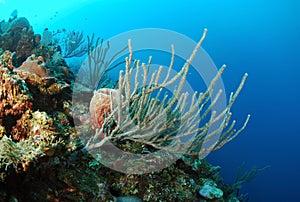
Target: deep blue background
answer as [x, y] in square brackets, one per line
[260, 37]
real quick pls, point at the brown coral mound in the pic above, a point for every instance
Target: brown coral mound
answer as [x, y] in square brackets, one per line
[35, 65]
[17, 37]
[24, 90]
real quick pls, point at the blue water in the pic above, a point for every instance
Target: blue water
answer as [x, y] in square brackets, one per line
[254, 36]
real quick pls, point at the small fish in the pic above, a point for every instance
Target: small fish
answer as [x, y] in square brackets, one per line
[14, 14]
[49, 151]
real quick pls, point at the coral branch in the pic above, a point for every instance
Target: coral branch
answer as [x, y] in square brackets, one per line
[172, 124]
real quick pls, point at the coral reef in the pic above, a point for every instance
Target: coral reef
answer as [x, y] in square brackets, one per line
[41, 80]
[17, 37]
[15, 98]
[42, 154]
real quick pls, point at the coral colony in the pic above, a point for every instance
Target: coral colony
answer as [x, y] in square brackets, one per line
[43, 157]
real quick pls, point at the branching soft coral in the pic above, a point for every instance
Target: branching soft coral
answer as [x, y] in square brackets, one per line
[139, 115]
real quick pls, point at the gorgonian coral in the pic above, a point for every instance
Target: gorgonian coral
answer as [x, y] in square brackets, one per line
[138, 115]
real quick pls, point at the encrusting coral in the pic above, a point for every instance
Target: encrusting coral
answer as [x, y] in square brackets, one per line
[6, 60]
[14, 95]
